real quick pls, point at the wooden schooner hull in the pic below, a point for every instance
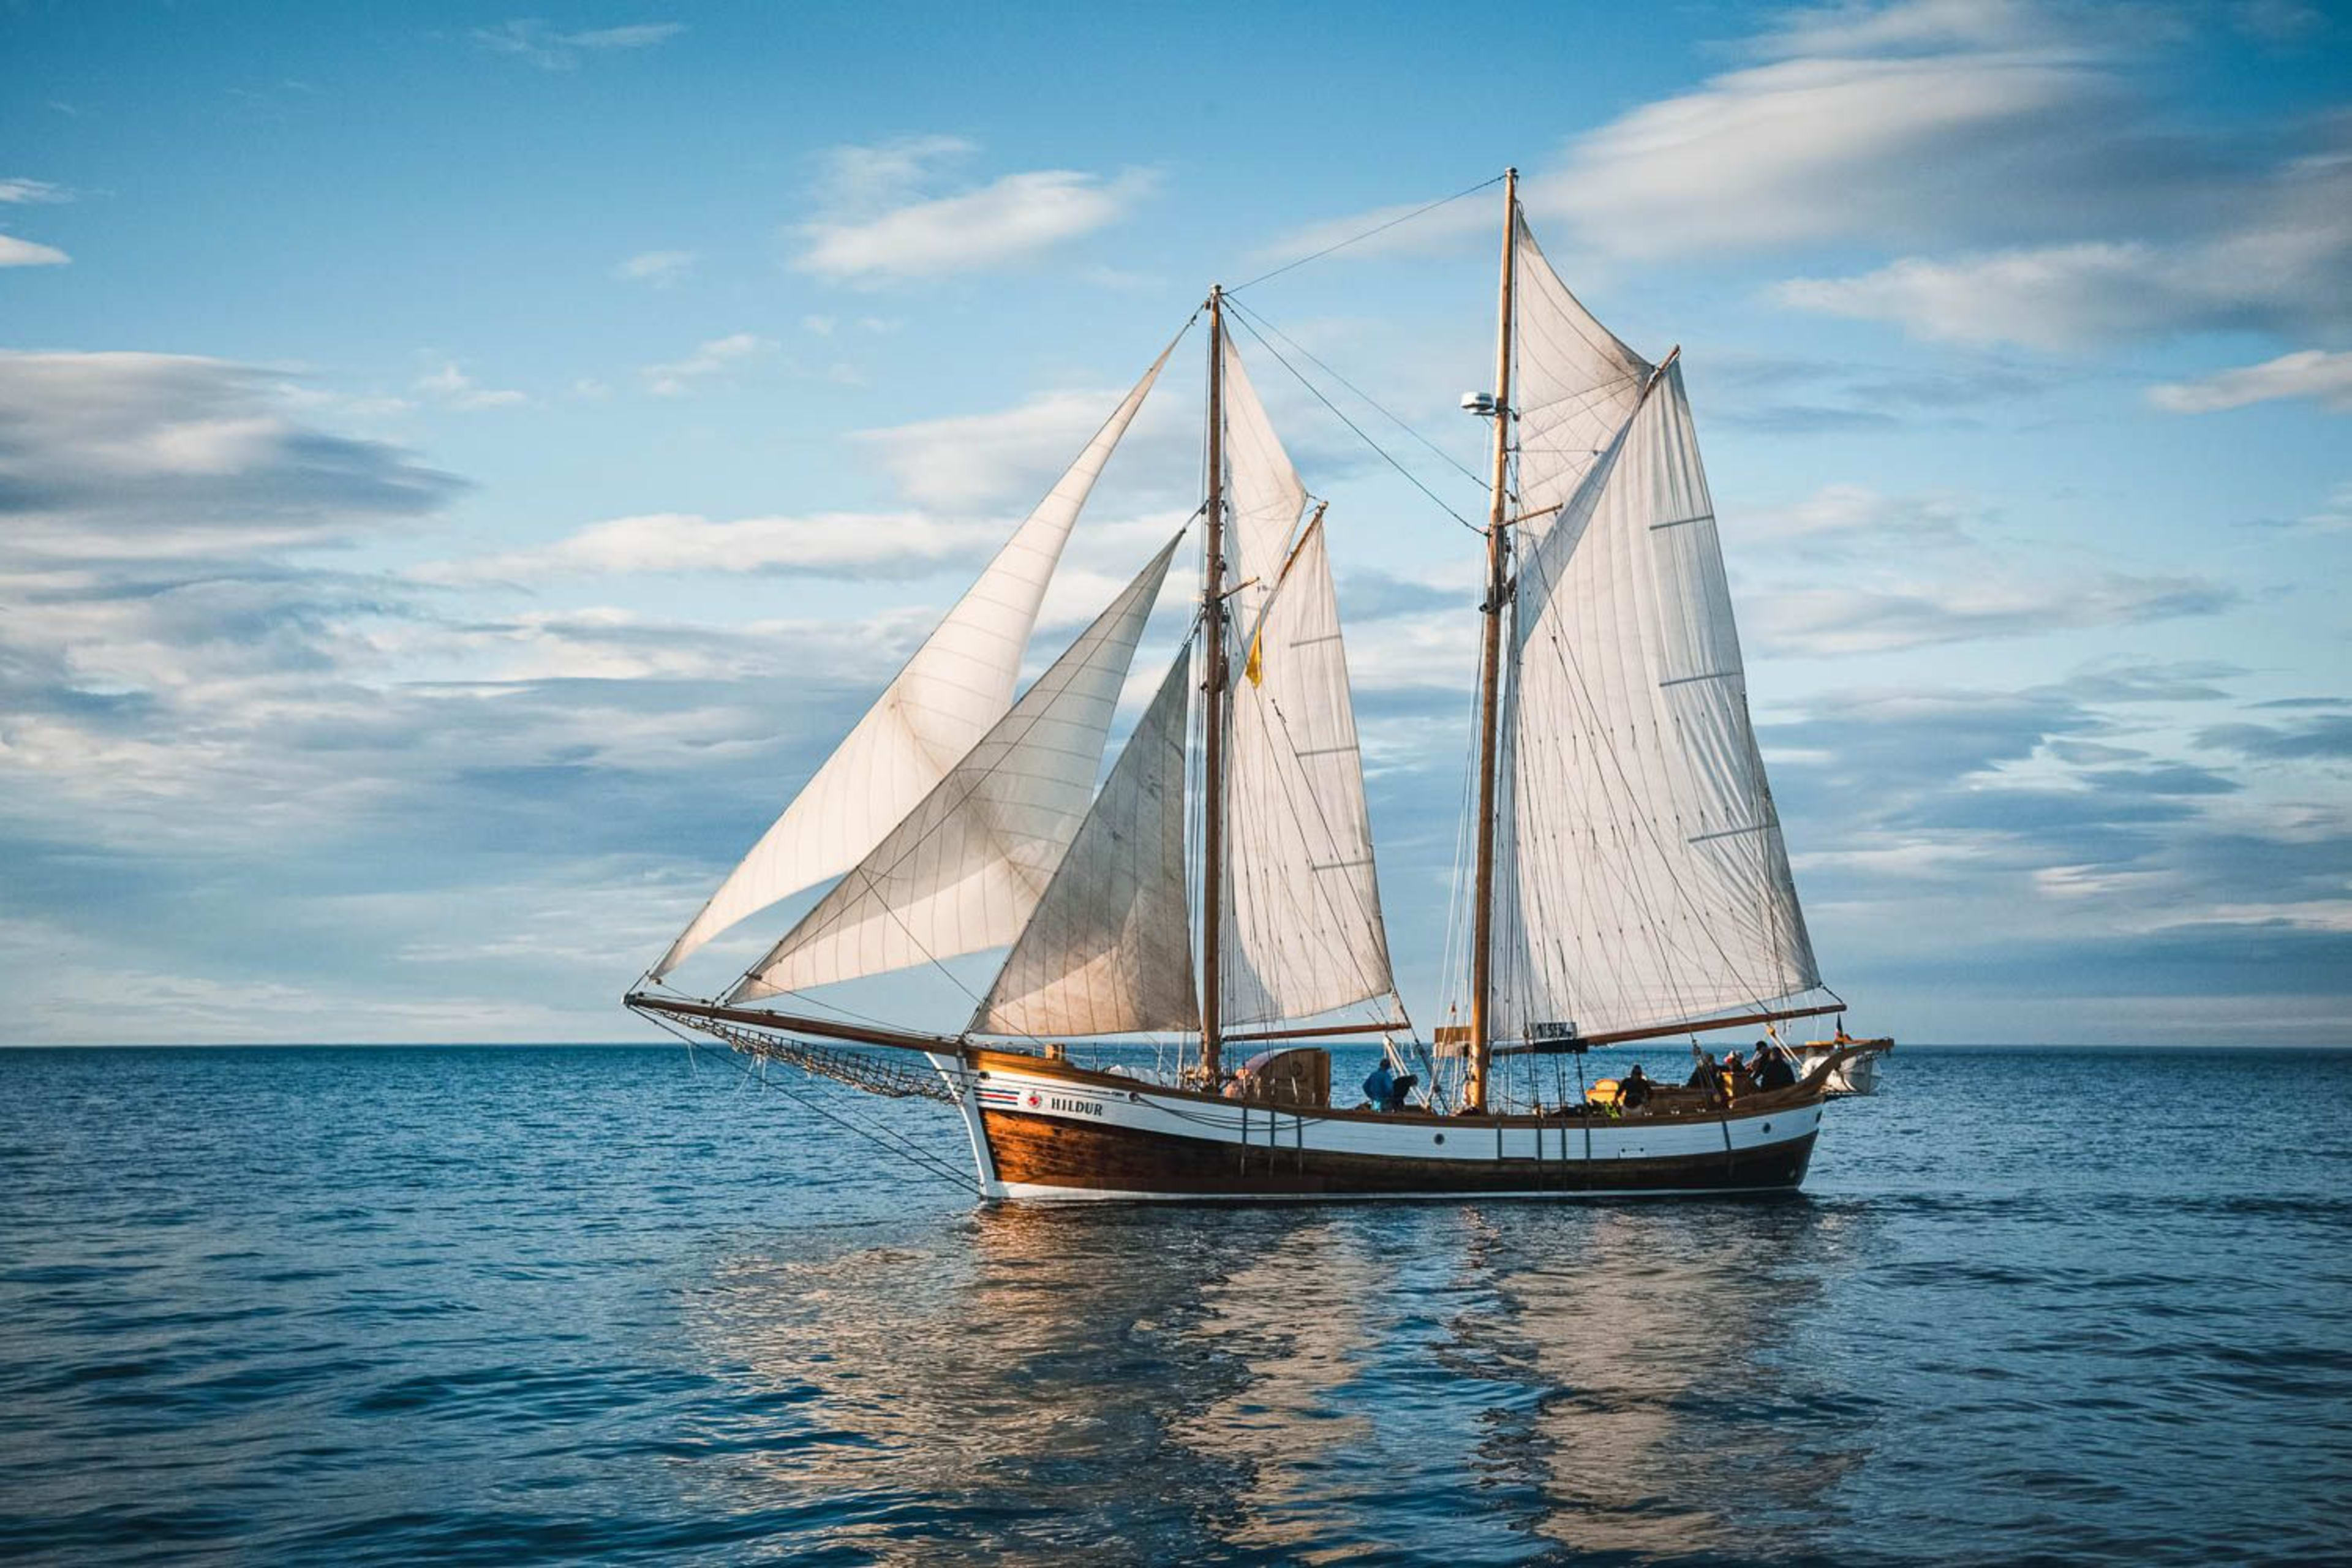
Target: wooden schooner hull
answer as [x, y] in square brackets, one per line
[1065, 1135]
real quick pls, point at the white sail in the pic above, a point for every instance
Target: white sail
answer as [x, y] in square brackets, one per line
[1645, 880]
[1109, 950]
[1575, 386]
[1263, 496]
[1302, 933]
[964, 870]
[958, 683]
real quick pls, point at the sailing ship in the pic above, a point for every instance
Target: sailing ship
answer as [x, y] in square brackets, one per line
[1217, 902]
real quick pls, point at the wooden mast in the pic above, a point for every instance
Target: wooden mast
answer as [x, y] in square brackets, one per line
[1490, 658]
[1213, 724]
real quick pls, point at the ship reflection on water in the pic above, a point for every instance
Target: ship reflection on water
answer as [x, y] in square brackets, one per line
[1512, 1382]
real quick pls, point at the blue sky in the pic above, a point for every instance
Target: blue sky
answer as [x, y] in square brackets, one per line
[459, 468]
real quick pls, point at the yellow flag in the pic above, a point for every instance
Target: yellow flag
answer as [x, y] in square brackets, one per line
[1255, 670]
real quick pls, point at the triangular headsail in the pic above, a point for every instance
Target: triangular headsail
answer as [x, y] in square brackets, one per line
[957, 684]
[1646, 883]
[965, 867]
[1262, 494]
[1303, 933]
[1109, 950]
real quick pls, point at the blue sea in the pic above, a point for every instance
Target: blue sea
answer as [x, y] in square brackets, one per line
[612, 1305]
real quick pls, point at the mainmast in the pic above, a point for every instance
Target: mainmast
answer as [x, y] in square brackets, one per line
[1482, 946]
[1213, 746]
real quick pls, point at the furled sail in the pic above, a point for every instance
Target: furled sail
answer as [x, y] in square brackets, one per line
[1302, 933]
[964, 870]
[1644, 879]
[957, 684]
[1576, 386]
[1110, 949]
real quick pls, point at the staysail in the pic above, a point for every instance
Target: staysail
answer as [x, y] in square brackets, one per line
[1303, 932]
[957, 684]
[963, 870]
[1110, 949]
[1644, 879]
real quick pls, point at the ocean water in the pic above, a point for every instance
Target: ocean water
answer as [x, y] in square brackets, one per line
[573, 1304]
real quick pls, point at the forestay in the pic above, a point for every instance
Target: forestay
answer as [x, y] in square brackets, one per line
[1303, 933]
[1645, 880]
[965, 869]
[957, 684]
[1109, 950]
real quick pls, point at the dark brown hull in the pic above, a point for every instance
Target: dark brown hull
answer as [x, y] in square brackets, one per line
[1050, 1152]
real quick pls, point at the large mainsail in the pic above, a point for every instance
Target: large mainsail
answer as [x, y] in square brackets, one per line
[1646, 883]
[957, 684]
[1110, 949]
[963, 870]
[1303, 932]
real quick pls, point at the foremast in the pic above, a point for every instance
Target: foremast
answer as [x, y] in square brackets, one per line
[1212, 688]
[1490, 667]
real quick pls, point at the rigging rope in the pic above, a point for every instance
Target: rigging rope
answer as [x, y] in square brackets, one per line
[1357, 239]
[1385, 455]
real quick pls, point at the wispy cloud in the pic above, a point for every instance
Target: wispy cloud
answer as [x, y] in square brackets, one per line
[677, 378]
[533, 40]
[15, 252]
[126, 456]
[2311, 373]
[1912, 572]
[659, 268]
[828, 544]
[453, 388]
[20, 191]
[874, 227]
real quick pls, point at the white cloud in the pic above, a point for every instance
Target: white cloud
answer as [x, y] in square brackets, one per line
[673, 380]
[2288, 275]
[659, 268]
[1813, 148]
[2312, 373]
[875, 226]
[545, 47]
[15, 192]
[853, 179]
[453, 388]
[836, 544]
[15, 252]
[981, 462]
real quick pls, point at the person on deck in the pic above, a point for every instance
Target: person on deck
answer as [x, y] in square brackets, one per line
[1633, 1088]
[1387, 1087]
[1737, 1080]
[1772, 1068]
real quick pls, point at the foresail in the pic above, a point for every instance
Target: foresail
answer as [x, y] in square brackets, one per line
[1262, 494]
[1576, 386]
[1109, 950]
[957, 684]
[1644, 881]
[1303, 933]
[964, 870]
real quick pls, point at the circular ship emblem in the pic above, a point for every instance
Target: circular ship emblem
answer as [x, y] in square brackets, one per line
[1035, 1099]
